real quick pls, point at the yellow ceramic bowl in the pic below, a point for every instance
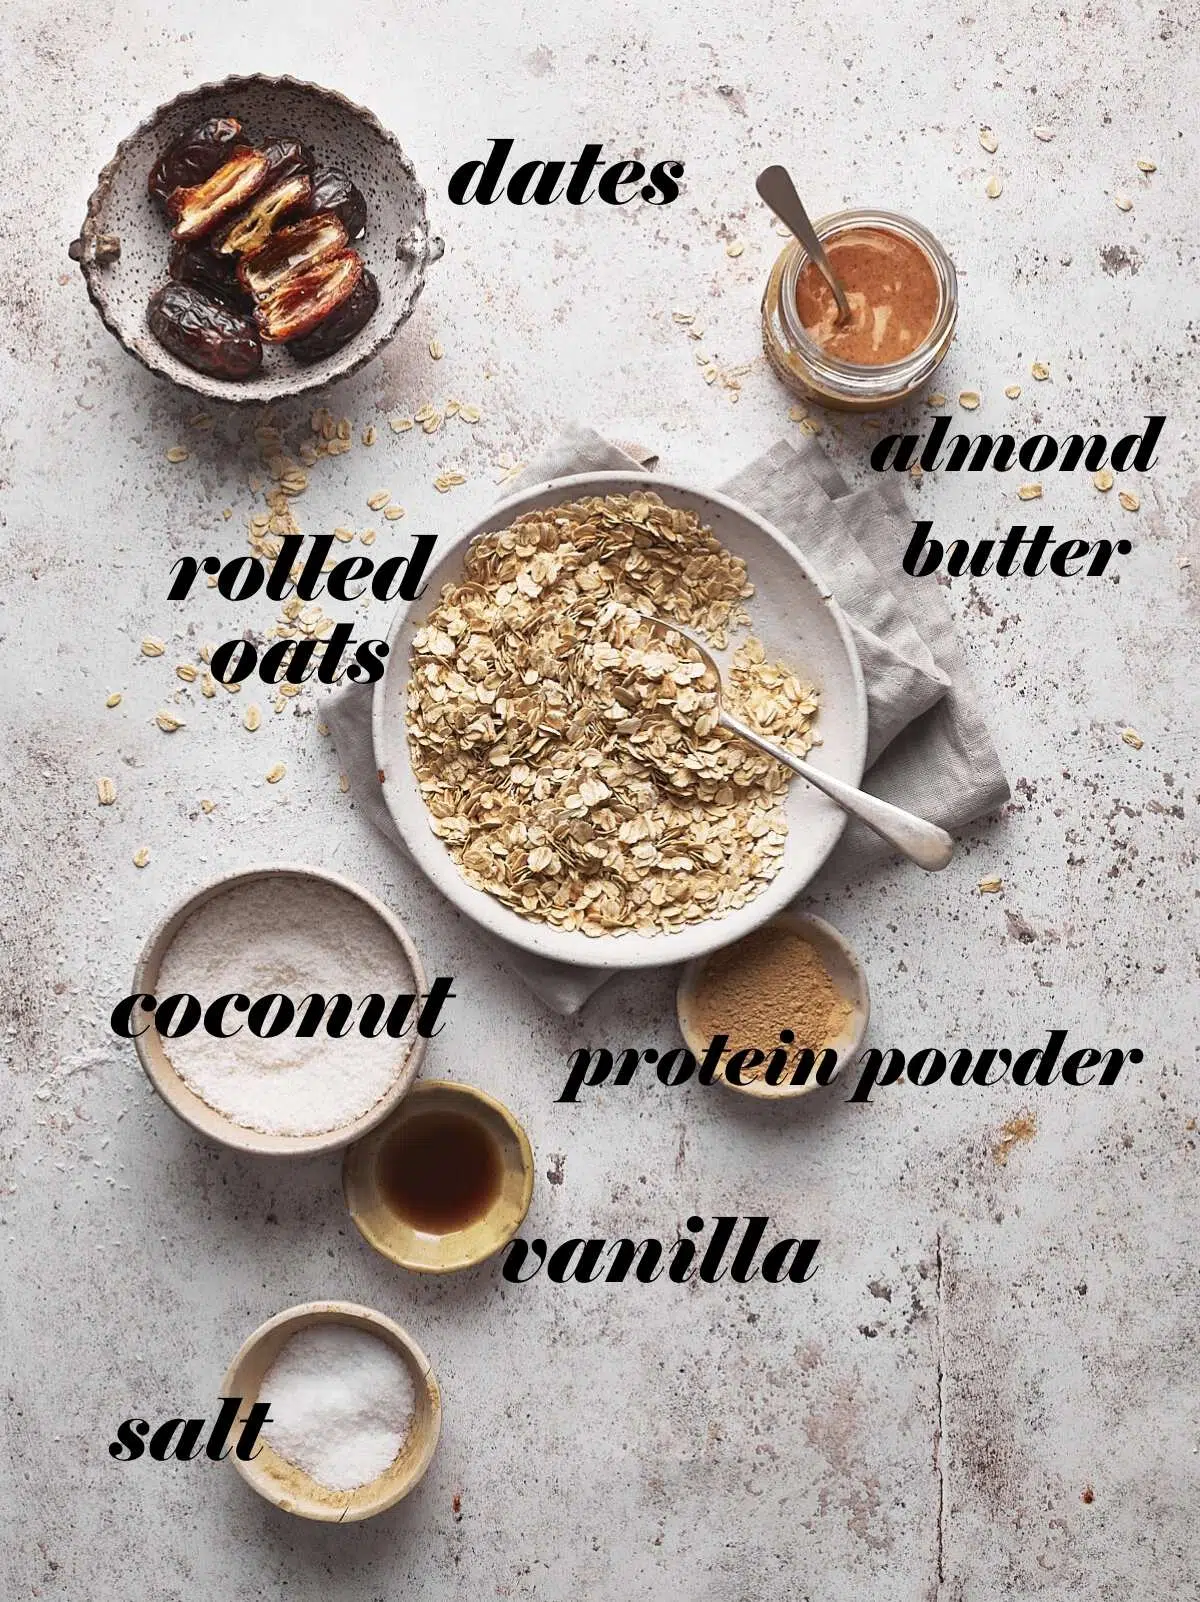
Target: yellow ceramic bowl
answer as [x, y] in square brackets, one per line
[460, 1248]
[849, 979]
[289, 1487]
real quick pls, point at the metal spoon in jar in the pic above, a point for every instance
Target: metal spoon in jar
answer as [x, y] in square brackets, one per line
[775, 186]
[929, 846]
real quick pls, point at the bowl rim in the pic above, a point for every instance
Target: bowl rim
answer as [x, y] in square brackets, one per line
[610, 953]
[308, 378]
[178, 1094]
[355, 1316]
[802, 923]
[358, 1165]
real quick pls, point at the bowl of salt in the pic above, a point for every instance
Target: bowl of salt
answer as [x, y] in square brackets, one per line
[353, 1411]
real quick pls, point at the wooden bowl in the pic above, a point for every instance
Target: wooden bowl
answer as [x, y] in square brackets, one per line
[124, 242]
[288, 1486]
[461, 1248]
[849, 979]
[182, 1099]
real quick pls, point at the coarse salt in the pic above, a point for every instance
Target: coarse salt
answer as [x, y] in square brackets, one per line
[341, 1405]
[297, 937]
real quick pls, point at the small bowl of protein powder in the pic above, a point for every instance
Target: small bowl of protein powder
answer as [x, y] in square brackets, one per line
[353, 1411]
[276, 1009]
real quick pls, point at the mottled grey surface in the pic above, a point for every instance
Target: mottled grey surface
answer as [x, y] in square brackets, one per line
[989, 1389]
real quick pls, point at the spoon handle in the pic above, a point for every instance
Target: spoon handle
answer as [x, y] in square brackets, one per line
[775, 186]
[929, 846]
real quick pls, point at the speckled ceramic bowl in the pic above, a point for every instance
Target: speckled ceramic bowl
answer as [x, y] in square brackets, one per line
[124, 243]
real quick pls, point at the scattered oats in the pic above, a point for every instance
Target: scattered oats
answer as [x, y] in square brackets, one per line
[469, 414]
[442, 483]
[1183, 561]
[993, 187]
[322, 728]
[1044, 134]
[276, 773]
[141, 856]
[343, 534]
[208, 686]
[453, 407]
[294, 481]
[289, 689]
[168, 722]
[968, 399]
[204, 419]
[809, 425]
[683, 316]
[368, 536]
[1030, 492]
[309, 454]
[735, 247]
[394, 513]
[1122, 202]
[319, 419]
[1103, 480]
[990, 885]
[436, 350]
[106, 792]
[432, 423]
[227, 513]
[380, 498]
[989, 141]
[1040, 371]
[1133, 738]
[701, 359]
[368, 434]
[1129, 500]
[177, 453]
[208, 806]
[278, 704]
[114, 699]
[343, 430]
[252, 717]
[186, 672]
[710, 375]
[344, 783]
[1012, 391]
[1146, 166]
[797, 414]
[936, 399]
[231, 685]
[917, 472]
[400, 425]
[425, 410]
[152, 646]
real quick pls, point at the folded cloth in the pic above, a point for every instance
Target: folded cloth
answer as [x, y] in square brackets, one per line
[928, 748]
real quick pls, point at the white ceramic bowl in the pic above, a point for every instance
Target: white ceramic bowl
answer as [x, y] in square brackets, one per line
[183, 1100]
[792, 613]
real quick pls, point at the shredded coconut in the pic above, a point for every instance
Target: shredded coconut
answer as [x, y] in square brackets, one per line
[341, 1405]
[294, 936]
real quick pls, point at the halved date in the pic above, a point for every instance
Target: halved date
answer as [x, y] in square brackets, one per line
[341, 325]
[334, 191]
[204, 332]
[301, 300]
[199, 209]
[250, 232]
[195, 156]
[292, 250]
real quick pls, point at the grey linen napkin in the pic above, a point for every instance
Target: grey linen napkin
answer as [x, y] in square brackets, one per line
[928, 747]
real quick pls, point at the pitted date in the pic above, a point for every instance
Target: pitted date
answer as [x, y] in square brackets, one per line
[334, 191]
[204, 332]
[204, 269]
[292, 250]
[198, 210]
[248, 233]
[341, 325]
[287, 158]
[301, 300]
[195, 156]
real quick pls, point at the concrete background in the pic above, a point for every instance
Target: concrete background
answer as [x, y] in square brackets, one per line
[990, 1387]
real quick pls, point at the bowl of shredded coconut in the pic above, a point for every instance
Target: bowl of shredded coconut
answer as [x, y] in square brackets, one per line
[353, 1411]
[556, 771]
[285, 1010]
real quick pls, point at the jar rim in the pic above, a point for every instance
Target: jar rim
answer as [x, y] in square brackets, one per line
[881, 375]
